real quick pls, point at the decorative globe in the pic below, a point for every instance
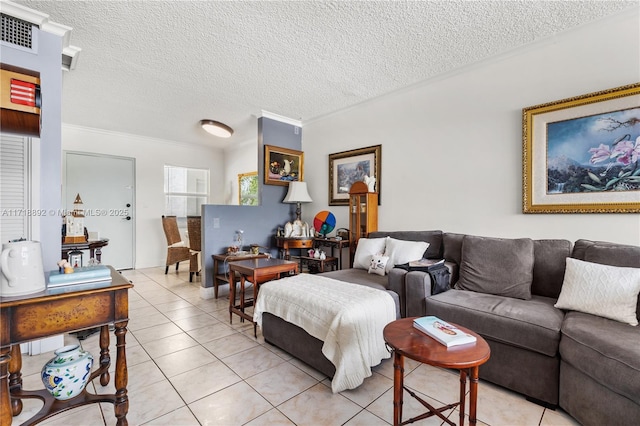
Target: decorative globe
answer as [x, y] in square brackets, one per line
[324, 222]
[65, 375]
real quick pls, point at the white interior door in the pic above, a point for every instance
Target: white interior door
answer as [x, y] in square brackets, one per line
[106, 185]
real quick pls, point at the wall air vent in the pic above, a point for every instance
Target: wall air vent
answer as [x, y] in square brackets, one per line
[17, 32]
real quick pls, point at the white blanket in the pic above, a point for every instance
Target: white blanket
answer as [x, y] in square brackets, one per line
[348, 318]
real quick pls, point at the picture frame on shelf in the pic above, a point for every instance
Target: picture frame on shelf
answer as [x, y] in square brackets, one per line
[282, 165]
[582, 154]
[347, 167]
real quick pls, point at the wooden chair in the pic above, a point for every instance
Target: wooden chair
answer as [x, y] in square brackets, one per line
[177, 251]
[195, 231]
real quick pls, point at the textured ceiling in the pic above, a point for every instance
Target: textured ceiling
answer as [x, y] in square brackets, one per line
[155, 68]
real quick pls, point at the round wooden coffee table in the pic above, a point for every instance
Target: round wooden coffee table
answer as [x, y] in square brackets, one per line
[407, 341]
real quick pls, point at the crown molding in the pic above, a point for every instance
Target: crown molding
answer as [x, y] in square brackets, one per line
[281, 118]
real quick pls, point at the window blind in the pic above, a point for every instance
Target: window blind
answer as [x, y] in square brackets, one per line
[15, 218]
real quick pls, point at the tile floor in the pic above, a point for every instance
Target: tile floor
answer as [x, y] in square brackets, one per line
[188, 366]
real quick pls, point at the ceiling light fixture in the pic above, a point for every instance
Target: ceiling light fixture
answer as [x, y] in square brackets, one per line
[216, 128]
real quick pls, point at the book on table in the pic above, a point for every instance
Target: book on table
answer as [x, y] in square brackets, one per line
[445, 333]
[87, 274]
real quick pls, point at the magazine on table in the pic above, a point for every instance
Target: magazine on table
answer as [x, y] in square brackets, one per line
[445, 333]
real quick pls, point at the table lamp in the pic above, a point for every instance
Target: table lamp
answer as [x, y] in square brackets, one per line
[297, 194]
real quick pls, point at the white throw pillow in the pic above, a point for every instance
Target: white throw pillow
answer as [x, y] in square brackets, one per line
[366, 248]
[378, 264]
[403, 251]
[602, 290]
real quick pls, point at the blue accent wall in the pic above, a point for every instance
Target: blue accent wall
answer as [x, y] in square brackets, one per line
[258, 223]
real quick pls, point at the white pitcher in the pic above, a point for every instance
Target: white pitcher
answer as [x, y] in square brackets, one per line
[21, 270]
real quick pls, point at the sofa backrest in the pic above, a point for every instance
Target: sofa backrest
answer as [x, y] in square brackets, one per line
[434, 238]
[606, 253]
[548, 266]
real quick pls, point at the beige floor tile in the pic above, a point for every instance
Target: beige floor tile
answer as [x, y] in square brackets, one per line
[365, 418]
[212, 332]
[557, 417]
[203, 381]
[188, 311]
[281, 382]
[181, 361]
[499, 406]
[167, 308]
[383, 408]
[318, 406]
[177, 342]
[156, 332]
[372, 388]
[271, 418]
[195, 322]
[252, 361]
[234, 405]
[230, 345]
[180, 417]
[147, 321]
[147, 404]
[442, 385]
[86, 415]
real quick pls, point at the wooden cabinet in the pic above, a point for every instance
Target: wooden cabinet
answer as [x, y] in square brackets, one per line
[363, 214]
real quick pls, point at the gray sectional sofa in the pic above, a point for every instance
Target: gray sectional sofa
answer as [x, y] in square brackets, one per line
[505, 290]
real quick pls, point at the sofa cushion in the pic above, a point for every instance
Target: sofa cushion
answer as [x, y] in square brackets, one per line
[608, 253]
[359, 276]
[366, 248]
[606, 350]
[532, 324]
[499, 266]
[452, 252]
[602, 290]
[549, 266]
[403, 251]
[434, 238]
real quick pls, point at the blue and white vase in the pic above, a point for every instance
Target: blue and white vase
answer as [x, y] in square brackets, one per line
[65, 375]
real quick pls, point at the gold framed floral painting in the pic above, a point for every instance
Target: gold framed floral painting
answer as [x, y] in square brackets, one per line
[582, 154]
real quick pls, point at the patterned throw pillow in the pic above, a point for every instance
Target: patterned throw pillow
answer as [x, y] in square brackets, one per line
[602, 290]
[378, 264]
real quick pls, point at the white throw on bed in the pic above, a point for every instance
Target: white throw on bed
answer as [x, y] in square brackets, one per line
[348, 318]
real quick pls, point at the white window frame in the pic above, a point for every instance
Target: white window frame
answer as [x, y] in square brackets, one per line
[188, 194]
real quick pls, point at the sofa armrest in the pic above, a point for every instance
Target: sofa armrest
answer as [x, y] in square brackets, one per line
[397, 285]
[417, 288]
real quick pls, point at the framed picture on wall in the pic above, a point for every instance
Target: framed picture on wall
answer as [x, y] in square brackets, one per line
[282, 165]
[348, 167]
[248, 189]
[582, 154]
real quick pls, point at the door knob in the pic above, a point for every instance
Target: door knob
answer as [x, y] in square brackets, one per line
[128, 217]
[128, 205]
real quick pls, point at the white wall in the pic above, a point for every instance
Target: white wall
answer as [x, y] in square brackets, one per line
[452, 146]
[151, 155]
[238, 158]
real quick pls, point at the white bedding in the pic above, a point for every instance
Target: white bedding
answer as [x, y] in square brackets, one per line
[348, 318]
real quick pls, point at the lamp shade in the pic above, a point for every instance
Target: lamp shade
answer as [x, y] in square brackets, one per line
[297, 193]
[216, 128]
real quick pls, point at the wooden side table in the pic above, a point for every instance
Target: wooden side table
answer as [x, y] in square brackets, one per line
[287, 244]
[406, 340]
[257, 271]
[56, 311]
[334, 244]
[228, 258]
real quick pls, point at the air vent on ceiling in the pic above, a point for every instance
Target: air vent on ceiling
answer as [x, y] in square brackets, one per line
[17, 32]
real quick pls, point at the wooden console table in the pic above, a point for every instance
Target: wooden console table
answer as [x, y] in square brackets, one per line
[57, 311]
[334, 244]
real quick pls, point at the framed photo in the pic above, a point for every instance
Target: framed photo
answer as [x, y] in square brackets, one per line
[348, 167]
[282, 165]
[248, 189]
[582, 154]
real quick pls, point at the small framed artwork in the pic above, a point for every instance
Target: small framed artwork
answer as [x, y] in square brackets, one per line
[282, 165]
[248, 189]
[582, 154]
[347, 167]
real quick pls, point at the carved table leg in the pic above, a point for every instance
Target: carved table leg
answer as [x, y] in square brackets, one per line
[5, 401]
[473, 394]
[15, 378]
[121, 404]
[105, 358]
[463, 391]
[398, 387]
